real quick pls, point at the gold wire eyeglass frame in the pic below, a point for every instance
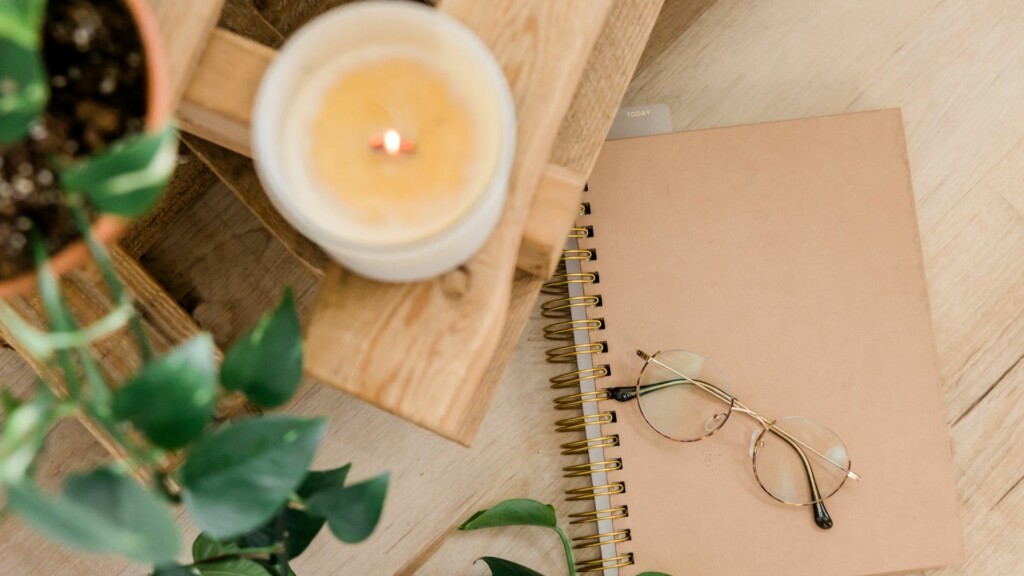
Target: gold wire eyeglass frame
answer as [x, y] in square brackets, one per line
[820, 513]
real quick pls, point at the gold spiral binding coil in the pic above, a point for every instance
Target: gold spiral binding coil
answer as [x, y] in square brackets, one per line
[587, 469]
[566, 330]
[558, 282]
[581, 232]
[584, 446]
[561, 307]
[572, 401]
[602, 564]
[591, 492]
[598, 515]
[573, 379]
[577, 254]
[568, 354]
[582, 421]
[595, 540]
[600, 539]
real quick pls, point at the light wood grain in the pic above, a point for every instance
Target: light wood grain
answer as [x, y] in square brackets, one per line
[953, 67]
[191, 176]
[554, 207]
[185, 27]
[237, 170]
[238, 173]
[420, 350]
[217, 105]
[242, 17]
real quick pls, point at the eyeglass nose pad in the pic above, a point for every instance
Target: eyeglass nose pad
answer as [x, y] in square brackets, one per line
[715, 422]
[753, 442]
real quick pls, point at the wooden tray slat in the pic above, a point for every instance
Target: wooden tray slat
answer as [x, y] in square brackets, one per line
[185, 26]
[217, 105]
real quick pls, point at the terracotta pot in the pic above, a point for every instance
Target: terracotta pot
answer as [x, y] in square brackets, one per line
[107, 229]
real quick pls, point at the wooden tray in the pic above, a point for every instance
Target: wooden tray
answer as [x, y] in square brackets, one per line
[423, 350]
[431, 351]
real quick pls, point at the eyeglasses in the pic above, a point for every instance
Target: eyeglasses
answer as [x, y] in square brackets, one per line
[796, 460]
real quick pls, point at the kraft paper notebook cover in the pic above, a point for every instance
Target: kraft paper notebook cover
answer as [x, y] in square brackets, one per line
[789, 254]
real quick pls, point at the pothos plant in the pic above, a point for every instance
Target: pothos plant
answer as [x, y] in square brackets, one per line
[523, 512]
[245, 484]
[122, 177]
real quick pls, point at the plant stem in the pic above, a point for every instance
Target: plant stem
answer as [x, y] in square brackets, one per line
[77, 341]
[567, 545]
[112, 322]
[60, 317]
[35, 342]
[110, 275]
[163, 484]
[100, 413]
[282, 557]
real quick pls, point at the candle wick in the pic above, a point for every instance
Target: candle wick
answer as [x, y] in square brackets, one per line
[392, 143]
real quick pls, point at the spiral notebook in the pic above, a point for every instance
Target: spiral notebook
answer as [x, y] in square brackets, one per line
[788, 253]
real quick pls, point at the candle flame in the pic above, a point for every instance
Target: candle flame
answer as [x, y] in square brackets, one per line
[392, 141]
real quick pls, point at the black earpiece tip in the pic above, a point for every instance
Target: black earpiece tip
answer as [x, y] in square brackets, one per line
[821, 517]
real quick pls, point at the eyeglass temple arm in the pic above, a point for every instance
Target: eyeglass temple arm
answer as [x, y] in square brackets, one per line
[821, 516]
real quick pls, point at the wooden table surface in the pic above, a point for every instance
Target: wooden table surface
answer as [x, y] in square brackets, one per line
[956, 68]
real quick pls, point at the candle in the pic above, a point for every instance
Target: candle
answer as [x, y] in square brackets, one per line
[385, 133]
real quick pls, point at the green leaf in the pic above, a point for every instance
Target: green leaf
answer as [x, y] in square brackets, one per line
[23, 435]
[20, 21]
[352, 512]
[9, 402]
[266, 363]
[128, 177]
[233, 567]
[302, 528]
[652, 574]
[502, 567]
[57, 310]
[23, 89]
[173, 397]
[128, 508]
[174, 570]
[101, 511]
[236, 478]
[206, 547]
[522, 512]
[318, 480]
[518, 512]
